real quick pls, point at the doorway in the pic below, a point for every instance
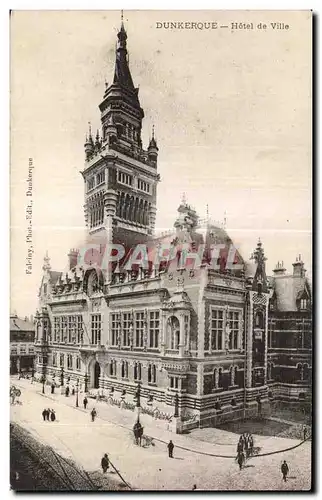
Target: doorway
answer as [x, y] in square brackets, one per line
[97, 373]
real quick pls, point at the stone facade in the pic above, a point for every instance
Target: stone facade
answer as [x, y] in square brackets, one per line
[198, 332]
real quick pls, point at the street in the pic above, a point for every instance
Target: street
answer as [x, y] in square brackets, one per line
[74, 436]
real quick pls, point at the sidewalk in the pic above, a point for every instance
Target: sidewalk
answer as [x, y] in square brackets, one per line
[126, 419]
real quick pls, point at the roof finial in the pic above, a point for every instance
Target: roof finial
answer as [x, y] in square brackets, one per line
[89, 129]
[153, 131]
[122, 16]
[207, 212]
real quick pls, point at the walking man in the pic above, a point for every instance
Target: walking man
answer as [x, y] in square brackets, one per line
[44, 414]
[85, 401]
[240, 460]
[93, 414]
[170, 449]
[52, 416]
[284, 470]
[105, 463]
[48, 414]
[305, 432]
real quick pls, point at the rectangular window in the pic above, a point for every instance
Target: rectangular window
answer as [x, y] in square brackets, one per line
[56, 328]
[233, 321]
[154, 328]
[78, 364]
[127, 320]
[90, 183]
[70, 362]
[100, 177]
[114, 328]
[54, 359]
[143, 186]
[139, 329]
[64, 329]
[70, 328]
[174, 382]
[79, 328]
[125, 178]
[217, 326]
[96, 329]
[61, 360]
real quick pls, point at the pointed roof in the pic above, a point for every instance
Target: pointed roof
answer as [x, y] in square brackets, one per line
[260, 278]
[122, 74]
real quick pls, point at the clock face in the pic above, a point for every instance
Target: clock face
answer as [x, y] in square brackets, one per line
[92, 284]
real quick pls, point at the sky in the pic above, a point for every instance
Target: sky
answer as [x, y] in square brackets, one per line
[232, 115]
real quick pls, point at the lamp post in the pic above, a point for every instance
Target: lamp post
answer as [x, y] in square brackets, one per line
[77, 385]
[86, 381]
[43, 384]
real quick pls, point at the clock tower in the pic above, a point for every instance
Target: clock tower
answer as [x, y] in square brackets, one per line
[120, 176]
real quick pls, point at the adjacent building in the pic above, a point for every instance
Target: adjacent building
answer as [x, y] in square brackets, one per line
[216, 338]
[22, 344]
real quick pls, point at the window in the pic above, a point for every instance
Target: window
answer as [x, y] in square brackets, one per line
[139, 329]
[174, 332]
[154, 327]
[259, 320]
[216, 329]
[54, 359]
[70, 328]
[174, 382]
[61, 360]
[79, 323]
[125, 178]
[90, 183]
[303, 304]
[127, 322]
[64, 329]
[100, 177]
[78, 364]
[125, 369]
[115, 330]
[112, 368]
[137, 371]
[233, 319]
[96, 329]
[143, 186]
[56, 329]
[186, 332]
[152, 374]
[69, 362]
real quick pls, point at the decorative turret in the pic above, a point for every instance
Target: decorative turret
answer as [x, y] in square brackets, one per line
[46, 266]
[73, 258]
[153, 149]
[298, 268]
[260, 278]
[89, 144]
[187, 218]
[98, 143]
[110, 130]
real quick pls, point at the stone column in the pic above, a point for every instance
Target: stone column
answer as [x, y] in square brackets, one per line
[163, 332]
[110, 200]
[181, 337]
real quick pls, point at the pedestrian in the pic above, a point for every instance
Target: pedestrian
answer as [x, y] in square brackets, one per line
[251, 444]
[85, 401]
[44, 414]
[105, 463]
[240, 460]
[73, 391]
[53, 388]
[304, 432]
[48, 413]
[67, 391]
[170, 449]
[284, 470]
[52, 416]
[93, 414]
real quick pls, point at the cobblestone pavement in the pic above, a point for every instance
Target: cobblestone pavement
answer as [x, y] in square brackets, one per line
[75, 436]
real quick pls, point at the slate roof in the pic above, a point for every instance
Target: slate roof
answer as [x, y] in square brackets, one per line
[21, 325]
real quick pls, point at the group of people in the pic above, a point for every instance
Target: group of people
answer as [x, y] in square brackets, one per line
[49, 414]
[244, 448]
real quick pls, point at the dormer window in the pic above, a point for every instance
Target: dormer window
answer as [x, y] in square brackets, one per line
[304, 304]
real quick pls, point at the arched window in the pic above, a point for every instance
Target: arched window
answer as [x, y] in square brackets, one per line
[173, 332]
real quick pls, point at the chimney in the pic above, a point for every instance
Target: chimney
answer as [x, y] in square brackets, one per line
[279, 269]
[73, 258]
[298, 268]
